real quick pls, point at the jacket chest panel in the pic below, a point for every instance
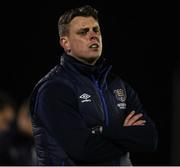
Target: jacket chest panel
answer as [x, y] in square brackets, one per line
[90, 106]
[97, 109]
[118, 103]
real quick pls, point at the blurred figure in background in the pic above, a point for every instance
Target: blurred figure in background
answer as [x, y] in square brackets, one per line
[23, 151]
[16, 141]
[24, 120]
[7, 111]
[7, 116]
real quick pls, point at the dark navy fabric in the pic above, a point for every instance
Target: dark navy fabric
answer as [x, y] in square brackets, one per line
[75, 97]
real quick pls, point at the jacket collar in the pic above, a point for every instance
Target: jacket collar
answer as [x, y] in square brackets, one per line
[87, 69]
[99, 71]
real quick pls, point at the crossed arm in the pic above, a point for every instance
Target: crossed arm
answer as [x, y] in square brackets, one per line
[134, 119]
[66, 124]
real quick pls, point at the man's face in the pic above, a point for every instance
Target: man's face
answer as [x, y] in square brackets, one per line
[84, 40]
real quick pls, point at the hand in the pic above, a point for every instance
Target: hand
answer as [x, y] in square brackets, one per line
[133, 120]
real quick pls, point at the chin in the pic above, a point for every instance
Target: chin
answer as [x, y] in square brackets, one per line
[94, 55]
[90, 58]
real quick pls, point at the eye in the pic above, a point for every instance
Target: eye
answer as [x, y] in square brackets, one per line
[83, 31]
[96, 29]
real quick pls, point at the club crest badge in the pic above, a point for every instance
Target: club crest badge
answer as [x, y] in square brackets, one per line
[120, 95]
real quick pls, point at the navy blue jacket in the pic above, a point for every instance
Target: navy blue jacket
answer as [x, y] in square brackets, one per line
[78, 112]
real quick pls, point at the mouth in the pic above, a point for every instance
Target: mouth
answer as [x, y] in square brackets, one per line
[94, 46]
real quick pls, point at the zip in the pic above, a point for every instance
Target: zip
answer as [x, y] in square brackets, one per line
[102, 100]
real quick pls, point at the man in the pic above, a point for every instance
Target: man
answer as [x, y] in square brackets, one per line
[82, 114]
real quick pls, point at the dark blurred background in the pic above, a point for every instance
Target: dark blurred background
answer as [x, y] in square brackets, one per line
[139, 39]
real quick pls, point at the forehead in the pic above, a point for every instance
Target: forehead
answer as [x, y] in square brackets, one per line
[82, 22]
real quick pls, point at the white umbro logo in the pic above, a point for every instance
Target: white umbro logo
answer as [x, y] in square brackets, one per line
[85, 98]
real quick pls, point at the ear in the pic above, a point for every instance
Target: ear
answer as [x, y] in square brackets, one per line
[64, 42]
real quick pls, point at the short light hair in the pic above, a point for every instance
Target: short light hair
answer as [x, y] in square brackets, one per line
[65, 19]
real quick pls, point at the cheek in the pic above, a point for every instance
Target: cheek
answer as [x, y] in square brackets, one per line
[78, 45]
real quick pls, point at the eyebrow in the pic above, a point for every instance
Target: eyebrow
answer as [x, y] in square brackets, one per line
[87, 29]
[84, 29]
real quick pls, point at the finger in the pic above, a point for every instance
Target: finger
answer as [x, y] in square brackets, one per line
[140, 122]
[128, 117]
[134, 118]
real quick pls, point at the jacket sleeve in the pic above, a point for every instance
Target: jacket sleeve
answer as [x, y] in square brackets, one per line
[57, 109]
[133, 138]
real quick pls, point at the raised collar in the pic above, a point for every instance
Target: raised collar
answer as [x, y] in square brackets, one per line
[96, 70]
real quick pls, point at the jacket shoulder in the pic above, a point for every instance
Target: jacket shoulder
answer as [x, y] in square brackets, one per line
[56, 77]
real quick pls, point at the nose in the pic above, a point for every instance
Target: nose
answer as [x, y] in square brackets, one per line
[93, 35]
[94, 38]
